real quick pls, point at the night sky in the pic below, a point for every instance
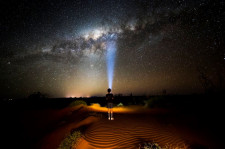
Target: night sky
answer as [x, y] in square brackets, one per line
[59, 47]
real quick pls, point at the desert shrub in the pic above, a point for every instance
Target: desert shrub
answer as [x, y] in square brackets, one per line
[77, 102]
[154, 102]
[170, 146]
[149, 145]
[96, 104]
[120, 104]
[70, 141]
[153, 145]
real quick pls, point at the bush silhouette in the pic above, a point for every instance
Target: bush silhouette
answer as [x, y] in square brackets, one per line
[154, 102]
[77, 102]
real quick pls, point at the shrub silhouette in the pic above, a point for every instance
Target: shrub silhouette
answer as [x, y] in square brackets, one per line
[77, 102]
[37, 95]
[154, 102]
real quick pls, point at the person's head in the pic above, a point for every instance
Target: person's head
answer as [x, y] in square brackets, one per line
[109, 90]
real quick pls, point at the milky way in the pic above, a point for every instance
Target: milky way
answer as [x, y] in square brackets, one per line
[60, 48]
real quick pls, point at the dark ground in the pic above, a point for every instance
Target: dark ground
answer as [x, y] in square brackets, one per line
[26, 121]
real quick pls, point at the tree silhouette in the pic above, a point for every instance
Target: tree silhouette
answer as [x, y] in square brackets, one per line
[37, 95]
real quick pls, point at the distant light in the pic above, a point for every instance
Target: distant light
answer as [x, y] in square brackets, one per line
[72, 96]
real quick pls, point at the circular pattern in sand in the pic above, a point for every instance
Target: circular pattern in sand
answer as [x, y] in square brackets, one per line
[127, 131]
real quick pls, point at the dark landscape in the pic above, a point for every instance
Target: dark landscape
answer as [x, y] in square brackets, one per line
[112, 74]
[27, 121]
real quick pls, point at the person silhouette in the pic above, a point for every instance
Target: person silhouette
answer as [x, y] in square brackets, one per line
[109, 98]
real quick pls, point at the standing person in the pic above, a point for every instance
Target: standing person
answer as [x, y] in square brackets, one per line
[109, 98]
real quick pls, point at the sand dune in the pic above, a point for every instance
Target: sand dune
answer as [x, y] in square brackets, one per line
[127, 131]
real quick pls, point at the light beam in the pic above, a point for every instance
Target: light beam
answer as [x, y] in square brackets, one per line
[110, 58]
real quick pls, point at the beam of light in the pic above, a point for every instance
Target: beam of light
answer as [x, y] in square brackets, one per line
[110, 58]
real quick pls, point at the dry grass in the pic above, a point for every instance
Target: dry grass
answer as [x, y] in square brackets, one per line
[77, 102]
[170, 146]
[153, 145]
[70, 141]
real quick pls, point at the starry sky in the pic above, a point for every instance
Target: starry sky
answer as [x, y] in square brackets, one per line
[59, 47]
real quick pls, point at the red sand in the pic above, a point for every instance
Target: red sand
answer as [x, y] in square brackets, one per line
[130, 127]
[127, 131]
